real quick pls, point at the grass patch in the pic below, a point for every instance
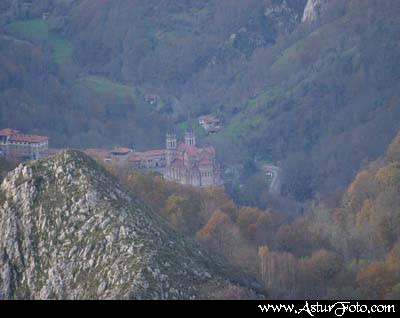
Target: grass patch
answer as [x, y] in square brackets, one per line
[33, 29]
[265, 98]
[311, 47]
[62, 50]
[237, 127]
[105, 86]
[37, 30]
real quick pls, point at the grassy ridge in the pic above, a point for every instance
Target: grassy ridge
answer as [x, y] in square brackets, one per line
[105, 86]
[37, 30]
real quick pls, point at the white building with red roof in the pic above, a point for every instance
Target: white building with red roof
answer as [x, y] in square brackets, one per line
[191, 165]
[22, 146]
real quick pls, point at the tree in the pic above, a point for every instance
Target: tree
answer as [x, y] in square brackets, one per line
[222, 236]
[318, 272]
[393, 153]
[263, 252]
[394, 294]
[376, 280]
[177, 209]
[6, 165]
[297, 177]
[216, 232]
[247, 220]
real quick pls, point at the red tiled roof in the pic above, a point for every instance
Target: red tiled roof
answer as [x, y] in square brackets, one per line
[8, 132]
[177, 163]
[210, 149]
[191, 150]
[135, 156]
[16, 136]
[154, 153]
[210, 120]
[98, 153]
[121, 151]
[205, 162]
[207, 117]
[28, 138]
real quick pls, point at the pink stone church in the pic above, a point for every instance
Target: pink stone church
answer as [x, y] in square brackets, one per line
[191, 165]
[184, 162]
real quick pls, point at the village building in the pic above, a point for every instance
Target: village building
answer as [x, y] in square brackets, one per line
[22, 146]
[210, 123]
[151, 99]
[152, 159]
[120, 152]
[102, 155]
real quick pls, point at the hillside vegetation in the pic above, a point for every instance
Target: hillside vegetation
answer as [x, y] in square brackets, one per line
[318, 98]
[349, 251]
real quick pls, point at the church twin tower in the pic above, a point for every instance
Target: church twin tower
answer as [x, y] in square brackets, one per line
[172, 143]
[190, 165]
[190, 139]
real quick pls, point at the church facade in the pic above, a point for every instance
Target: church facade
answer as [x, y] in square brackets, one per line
[188, 164]
[182, 162]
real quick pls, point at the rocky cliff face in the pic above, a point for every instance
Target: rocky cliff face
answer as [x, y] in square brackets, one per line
[313, 10]
[285, 14]
[263, 26]
[68, 231]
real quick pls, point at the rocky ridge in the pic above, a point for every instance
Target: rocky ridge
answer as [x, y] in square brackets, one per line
[313, 10]
[69, 231]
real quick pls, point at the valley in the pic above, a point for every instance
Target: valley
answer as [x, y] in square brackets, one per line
[262, 133]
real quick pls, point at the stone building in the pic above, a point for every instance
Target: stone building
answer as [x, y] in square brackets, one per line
[22, 146]
[191, 165]
[184, 162]
[210, 124]
[154, 160]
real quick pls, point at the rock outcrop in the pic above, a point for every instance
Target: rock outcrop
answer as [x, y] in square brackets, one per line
[285, 15]
[313, 10]
[69, 231]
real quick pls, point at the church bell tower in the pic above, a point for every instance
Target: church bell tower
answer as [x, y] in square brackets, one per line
[190, 138]
[170, 144]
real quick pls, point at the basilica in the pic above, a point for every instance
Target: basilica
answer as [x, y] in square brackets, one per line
[186, 163]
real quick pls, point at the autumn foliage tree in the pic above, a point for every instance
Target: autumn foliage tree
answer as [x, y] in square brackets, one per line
[317, 272]
[222, 236]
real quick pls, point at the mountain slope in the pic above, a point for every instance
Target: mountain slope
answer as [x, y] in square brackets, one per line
[169, 48]
[67, 230]
[327, 101]
[311, 86]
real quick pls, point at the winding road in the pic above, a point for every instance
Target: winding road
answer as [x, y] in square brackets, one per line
[275, 185]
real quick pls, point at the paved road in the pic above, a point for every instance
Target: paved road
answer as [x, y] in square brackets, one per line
[275, 185]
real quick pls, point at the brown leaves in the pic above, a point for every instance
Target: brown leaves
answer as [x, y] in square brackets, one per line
[393, 153]
[376, 280]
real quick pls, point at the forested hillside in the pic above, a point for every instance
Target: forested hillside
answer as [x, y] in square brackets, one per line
[79, 70]
[325, 98]
[317, 95]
